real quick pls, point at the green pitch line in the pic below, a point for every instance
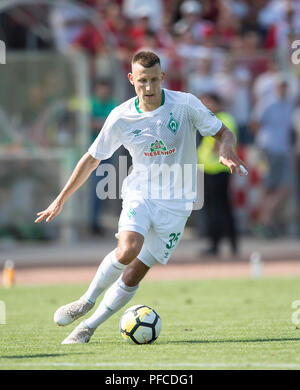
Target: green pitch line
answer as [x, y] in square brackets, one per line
[207, 324]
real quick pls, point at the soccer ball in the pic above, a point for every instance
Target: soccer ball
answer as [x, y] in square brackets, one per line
[140, 325]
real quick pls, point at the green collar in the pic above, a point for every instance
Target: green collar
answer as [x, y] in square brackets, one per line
[137, 101]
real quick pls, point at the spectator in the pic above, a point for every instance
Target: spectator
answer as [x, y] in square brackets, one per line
[101, 105]
[238, 8]
[281, 21]
[272, 122]
[90, 40]
[240, 106]
[176, 70]
[220, 220]
[138, 31]
[226, 83]
[187, 47]
[246, 52]
[203, 80]
[228, 25]
[134, 9]
[115, 23]
[192, 20]
[210, 10]
[67, 21]
[264, 86]
[249, 21]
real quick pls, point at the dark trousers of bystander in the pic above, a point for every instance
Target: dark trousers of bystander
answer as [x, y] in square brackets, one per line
[220, 222]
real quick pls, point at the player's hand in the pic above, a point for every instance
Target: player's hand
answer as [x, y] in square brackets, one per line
[230, 159]
[52, 211]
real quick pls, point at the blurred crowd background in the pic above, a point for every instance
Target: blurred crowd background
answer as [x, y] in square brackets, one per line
[66, 68]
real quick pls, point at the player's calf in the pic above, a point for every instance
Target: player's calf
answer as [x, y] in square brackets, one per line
[134, 273]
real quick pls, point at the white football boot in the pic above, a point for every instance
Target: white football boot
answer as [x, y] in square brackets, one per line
[80, 335]
[66, 314]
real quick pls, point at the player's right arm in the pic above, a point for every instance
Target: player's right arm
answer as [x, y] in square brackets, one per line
[85, 166]
[107, 141]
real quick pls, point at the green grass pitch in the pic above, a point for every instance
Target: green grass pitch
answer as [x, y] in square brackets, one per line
[206, 324]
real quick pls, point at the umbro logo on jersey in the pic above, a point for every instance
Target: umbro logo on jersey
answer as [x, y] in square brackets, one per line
[173, 124]
[137, 132]
[158, 148]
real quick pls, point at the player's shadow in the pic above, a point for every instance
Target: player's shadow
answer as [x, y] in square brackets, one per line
[232, 341]
[40, 355]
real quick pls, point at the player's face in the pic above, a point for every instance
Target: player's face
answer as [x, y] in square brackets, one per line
[147, 83]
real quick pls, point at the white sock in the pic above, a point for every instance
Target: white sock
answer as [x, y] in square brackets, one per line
[108, 272]
[115, 297]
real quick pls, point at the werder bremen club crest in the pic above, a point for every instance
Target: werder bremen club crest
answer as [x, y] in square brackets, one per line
[173, 124]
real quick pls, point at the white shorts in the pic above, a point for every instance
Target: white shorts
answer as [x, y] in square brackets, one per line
[161, 229]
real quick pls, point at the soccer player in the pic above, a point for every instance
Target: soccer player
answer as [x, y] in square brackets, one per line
[158, 127]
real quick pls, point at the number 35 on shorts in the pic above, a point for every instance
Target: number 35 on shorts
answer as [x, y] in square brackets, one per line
[173, 238]
[171, 242]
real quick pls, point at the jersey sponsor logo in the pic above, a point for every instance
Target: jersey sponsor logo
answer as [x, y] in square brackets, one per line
[158, 148]
[173, 124]
[157, 145]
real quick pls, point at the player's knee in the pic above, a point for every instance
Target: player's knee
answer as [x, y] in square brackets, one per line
[125, 254]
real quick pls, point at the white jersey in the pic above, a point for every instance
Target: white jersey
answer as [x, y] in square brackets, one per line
[162, 144]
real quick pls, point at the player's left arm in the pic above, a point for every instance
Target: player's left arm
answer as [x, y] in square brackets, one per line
[227, 154]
